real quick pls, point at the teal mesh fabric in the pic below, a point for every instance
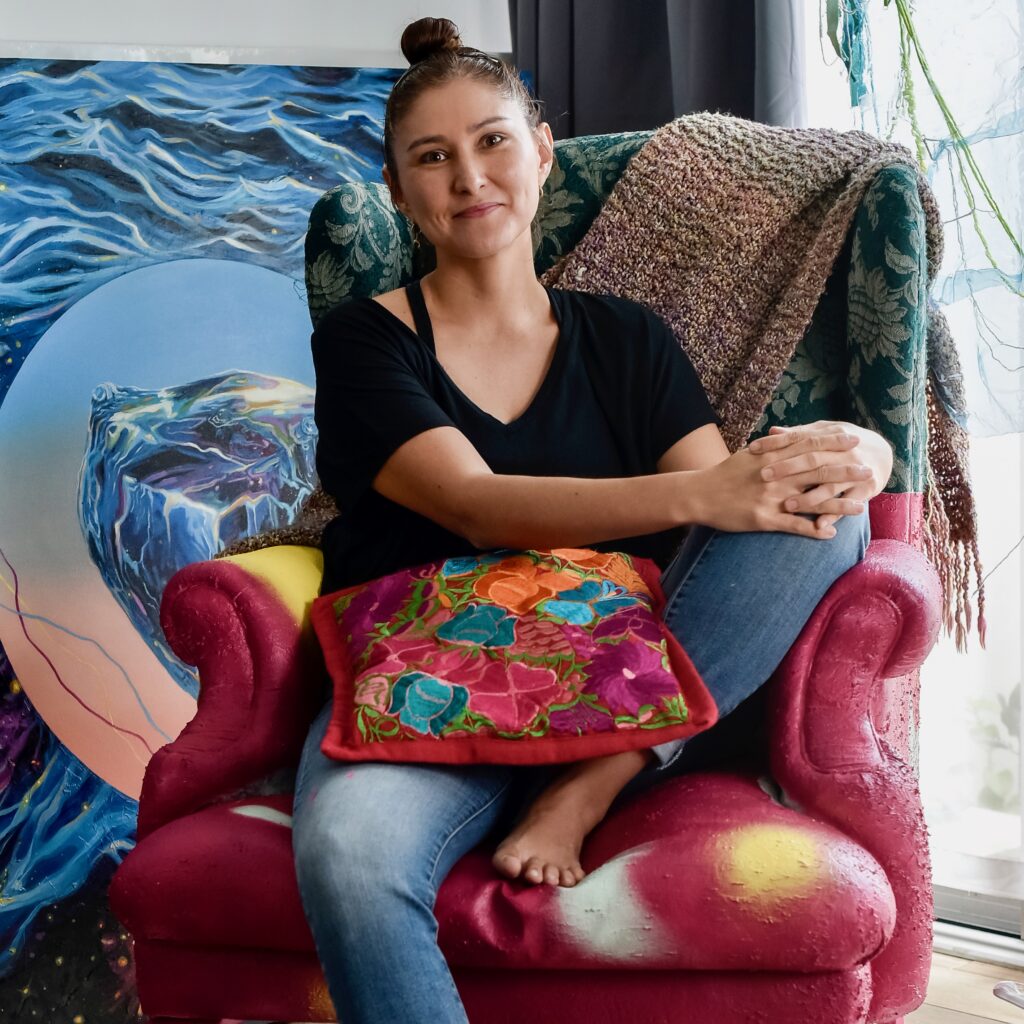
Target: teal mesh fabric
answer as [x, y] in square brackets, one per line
[863, 355]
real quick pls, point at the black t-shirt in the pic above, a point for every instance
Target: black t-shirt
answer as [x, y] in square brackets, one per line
[618, 394]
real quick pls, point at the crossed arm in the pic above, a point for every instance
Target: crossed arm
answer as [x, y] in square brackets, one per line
[796, 480]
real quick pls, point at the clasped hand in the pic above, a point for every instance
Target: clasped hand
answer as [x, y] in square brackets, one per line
[801, 479]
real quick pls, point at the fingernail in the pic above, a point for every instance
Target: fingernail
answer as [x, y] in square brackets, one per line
[755, 446]
[767, 473]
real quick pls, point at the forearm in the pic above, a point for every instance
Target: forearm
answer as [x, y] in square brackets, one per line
[544, 512]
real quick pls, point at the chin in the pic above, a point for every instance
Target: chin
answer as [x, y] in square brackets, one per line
[483, 248]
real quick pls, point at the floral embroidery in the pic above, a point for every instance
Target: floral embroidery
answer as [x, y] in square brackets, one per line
[480, 624]
[512, 696]
[516, 645]
[588, 601]
[634, 677]
[426, 704]
[373, 692]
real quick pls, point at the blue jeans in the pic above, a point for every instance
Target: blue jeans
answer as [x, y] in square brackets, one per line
[374, 841]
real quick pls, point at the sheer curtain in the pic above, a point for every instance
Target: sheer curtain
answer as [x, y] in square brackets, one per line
[970, 703]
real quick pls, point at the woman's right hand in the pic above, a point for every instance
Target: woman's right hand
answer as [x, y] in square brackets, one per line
[735, 496]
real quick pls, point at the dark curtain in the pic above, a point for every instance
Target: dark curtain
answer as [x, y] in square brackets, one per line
[608, 66]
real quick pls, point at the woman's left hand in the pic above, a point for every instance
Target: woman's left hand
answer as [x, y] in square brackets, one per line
[790, 451]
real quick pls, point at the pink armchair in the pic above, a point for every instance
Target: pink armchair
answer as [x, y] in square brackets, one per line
[793, 887]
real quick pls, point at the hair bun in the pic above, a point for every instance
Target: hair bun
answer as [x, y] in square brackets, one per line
[424, 38]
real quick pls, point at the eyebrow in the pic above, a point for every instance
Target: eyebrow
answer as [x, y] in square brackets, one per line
[441, 138]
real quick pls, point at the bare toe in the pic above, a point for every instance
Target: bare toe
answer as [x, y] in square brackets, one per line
[507, 863]
[551, 874]
[568, 877]
[579, 872]
[534, 870]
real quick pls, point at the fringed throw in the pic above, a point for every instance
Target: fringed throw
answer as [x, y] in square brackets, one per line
[729, 229]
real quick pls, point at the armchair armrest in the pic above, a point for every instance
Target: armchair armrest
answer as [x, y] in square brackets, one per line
[877, 623]
[244, 622]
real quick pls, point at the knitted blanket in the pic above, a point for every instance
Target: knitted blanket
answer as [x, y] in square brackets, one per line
[729, 230]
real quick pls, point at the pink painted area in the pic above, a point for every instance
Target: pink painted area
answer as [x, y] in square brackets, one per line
[897, 517]
[112, 708]
[872, 630]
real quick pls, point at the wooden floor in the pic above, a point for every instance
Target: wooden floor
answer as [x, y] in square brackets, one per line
[960, 992]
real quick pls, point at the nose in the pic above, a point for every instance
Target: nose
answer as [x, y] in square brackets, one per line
[469, 174]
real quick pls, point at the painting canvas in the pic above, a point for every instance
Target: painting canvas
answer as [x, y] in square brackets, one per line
[151, 299]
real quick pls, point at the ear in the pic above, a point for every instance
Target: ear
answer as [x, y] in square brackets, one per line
[545, 149]
[392, 184]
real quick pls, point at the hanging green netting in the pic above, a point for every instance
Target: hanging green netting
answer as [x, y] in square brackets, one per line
[945, 78]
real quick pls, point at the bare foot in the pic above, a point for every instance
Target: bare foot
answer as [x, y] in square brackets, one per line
[545, 845]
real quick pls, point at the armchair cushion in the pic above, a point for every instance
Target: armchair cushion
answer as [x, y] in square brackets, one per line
[507, 658]
[706, 872]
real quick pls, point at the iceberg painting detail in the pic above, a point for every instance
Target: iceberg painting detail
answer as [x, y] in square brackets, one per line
[172, 476]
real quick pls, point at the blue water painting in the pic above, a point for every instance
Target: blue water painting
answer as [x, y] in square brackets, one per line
[108, 168]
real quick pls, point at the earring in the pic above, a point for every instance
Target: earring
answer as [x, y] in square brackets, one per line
[416, 235]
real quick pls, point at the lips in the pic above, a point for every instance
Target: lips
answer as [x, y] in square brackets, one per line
[478, 211]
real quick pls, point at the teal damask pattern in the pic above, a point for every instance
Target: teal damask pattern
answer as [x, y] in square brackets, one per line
[863, 357]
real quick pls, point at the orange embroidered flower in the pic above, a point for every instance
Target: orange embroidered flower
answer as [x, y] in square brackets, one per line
[584, 557]
[519, 585]
[611, 566]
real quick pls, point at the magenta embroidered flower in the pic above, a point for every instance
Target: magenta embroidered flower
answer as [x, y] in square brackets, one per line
[377, 603]
[465, 667]
[404, 651]
[511, 695]
[634, 622]
[580, 719]
[633, 676]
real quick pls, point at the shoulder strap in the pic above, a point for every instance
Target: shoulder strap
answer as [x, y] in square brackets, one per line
[419, 313]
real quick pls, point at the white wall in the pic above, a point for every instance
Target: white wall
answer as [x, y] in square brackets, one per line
[334, 33]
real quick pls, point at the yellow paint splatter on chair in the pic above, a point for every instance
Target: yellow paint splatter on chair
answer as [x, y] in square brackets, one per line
[766, 865]
[294, 573]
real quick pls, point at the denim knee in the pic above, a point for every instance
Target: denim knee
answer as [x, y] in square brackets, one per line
[850, 544]
[344, 854]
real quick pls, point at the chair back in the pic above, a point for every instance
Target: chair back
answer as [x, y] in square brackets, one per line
[862, 358]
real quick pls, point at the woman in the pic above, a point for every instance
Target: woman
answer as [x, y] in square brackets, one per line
[465, 413]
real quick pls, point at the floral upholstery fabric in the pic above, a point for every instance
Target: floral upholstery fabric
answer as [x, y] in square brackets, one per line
[862, 357]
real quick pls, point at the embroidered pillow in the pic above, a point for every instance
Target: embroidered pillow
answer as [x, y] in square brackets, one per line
[507, 658]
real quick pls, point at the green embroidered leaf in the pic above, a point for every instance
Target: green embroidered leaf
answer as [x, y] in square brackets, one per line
[899, 261]
[328, 283]
[872, 198]
[902, 392]
[899, 414]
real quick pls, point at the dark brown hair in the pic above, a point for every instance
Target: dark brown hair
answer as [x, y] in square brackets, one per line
[435, 52]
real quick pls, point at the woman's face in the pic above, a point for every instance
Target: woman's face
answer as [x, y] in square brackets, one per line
[469, 168]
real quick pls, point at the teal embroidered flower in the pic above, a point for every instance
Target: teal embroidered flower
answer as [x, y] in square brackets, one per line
[467, 563]
[592, 598]
[483, 625]
[426, 704]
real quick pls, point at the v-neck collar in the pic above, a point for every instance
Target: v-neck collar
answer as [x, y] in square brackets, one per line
[425, 333]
